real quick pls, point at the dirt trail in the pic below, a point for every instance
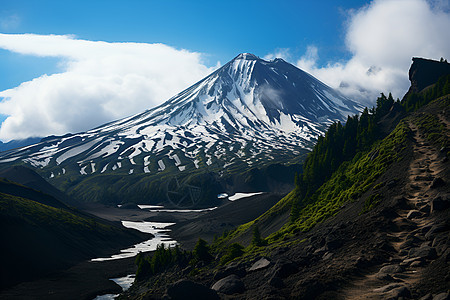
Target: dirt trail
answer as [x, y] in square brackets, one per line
[412, 250]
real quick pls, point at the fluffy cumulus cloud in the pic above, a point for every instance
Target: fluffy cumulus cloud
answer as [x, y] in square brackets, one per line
[101, 82]
[382, 38]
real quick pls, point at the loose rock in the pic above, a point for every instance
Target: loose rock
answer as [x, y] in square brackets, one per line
[186, 289]
[423, 252]
[400, 292]
[442, 296]
[427, 297]
[283, 269]
[388, 288]
[236, 269]
[437, 228]
[229, 285]
[391, 269]
[413, 214]
[260, 264]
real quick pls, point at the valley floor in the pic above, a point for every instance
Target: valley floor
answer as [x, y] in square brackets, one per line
[89, 279]
[83, 281]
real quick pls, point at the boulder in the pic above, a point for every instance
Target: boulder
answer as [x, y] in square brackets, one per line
[402, 291]
[186, 289]
[391, 269]
[327, 255]
[441, 242]
[417, 263]
[410, 241]
[435, 229]
[283, 269]
[409, 261]
[442, 296]
[384, 276]
[427, 297]
[236, 269]
[229, 285]
[426, 252]
[259, 265]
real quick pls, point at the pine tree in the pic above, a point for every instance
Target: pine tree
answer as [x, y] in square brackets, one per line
[257, 240]
[201, 251]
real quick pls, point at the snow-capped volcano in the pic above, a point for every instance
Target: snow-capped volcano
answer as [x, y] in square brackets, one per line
[247, 112]
[249, 93]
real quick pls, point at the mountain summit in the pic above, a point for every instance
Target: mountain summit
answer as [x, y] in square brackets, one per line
[247, 113]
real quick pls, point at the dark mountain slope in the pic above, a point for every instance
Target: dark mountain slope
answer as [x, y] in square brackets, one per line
[376, 228]
[14, 189]
[18, 143]
[27, 177]
[40, 235]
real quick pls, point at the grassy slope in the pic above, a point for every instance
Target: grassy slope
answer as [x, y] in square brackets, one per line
[37, 239]
[353, 181]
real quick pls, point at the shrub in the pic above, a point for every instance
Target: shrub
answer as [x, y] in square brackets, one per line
[235, 250]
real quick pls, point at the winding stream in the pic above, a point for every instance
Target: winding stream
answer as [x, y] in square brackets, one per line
[158, 229]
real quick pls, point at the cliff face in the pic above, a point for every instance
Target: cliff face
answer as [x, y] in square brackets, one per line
[424, 72]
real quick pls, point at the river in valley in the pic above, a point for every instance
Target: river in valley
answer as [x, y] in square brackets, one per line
[161, 236]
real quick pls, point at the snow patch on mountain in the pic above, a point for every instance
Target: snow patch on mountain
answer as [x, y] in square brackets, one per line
[250, 110]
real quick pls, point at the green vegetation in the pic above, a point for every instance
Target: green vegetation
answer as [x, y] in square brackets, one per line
[41, 215]
[346, 162]
[342, 143]
[344, 166]
[235, 250]
[162, 259]
[349, 182]
[433, 128]
[257, 240]
[371, 202]
[201, 251]
[415, 101]
[113, 187]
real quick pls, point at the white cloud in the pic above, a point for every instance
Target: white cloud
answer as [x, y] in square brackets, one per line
[101, 82]
[309, 59]
[284, 53]
[382, 38]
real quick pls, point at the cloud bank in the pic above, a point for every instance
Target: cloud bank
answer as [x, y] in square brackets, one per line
[382, 38]
[101, 82]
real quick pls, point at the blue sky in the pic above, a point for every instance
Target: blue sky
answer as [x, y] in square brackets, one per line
[69, 66]
[220, 29]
